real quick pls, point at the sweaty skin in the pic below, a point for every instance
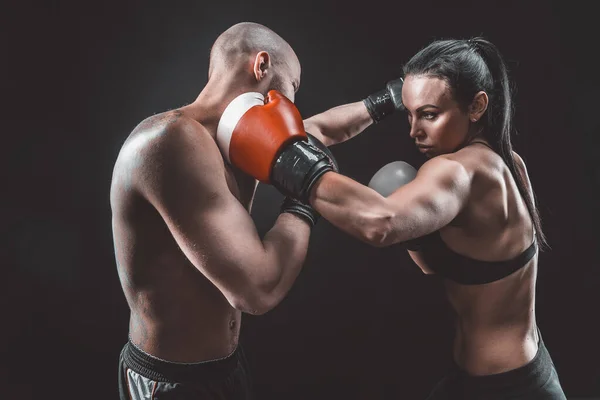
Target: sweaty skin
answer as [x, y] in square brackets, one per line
[188, 254]
[177, 312]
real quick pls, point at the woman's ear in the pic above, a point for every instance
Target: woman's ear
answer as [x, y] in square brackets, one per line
[478, 106]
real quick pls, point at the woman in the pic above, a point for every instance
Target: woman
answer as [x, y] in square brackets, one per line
[472, 206]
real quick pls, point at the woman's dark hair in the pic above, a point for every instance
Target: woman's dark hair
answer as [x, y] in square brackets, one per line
[470, 66]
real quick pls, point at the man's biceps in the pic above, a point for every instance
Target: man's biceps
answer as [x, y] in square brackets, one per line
[236, 240]
[232, 221]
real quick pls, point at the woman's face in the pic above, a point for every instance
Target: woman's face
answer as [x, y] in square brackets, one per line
[437, 123]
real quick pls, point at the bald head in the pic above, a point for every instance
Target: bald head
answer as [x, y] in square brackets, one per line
[240, 43]
[248, 38]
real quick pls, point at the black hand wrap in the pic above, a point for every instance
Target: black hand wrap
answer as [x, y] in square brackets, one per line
[299, 166]
[386, 101]
[293, 206]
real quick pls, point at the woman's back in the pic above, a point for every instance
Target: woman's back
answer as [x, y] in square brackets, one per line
[495, 318]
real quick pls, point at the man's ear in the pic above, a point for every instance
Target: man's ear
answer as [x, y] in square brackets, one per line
[478, 106]
[262, 63]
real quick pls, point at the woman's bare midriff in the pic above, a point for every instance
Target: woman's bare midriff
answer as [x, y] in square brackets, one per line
[495, 329]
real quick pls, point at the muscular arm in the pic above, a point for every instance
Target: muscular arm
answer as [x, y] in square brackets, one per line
[429, 202]
[183, 176]
[339, 124]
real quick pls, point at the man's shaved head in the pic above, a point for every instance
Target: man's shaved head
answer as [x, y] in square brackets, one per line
[248, 38]
[235, 47]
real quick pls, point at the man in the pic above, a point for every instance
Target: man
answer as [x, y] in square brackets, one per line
[189, 257]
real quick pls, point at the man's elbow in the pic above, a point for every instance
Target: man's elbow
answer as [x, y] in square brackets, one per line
[254, 304]
[256, 299]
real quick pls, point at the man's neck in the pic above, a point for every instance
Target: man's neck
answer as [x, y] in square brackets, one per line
[212, 101]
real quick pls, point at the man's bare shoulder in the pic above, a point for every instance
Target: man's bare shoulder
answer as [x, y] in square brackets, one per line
[162, 135]
[166, 141]
[167, 129]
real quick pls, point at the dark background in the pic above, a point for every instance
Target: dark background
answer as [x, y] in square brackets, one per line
[360, 322]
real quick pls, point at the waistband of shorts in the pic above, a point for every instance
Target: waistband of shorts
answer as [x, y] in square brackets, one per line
[535, 372]
[176, 372]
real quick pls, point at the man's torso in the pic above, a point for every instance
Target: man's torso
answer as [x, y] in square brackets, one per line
[177, 314]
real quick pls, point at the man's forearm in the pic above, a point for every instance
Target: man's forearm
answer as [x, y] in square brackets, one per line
[340, 123]
[286, 244]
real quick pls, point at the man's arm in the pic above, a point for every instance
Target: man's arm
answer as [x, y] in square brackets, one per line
[339, 124]
[183, 177]
[429, 202]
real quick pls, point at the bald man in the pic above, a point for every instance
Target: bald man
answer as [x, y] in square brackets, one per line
[189, 258]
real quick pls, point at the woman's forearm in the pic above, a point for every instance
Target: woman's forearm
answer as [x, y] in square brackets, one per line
[340, 123]
[353, 208]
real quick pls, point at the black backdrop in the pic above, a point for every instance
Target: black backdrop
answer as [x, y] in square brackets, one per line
[360, 322]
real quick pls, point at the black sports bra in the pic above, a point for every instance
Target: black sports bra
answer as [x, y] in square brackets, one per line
[462, 269]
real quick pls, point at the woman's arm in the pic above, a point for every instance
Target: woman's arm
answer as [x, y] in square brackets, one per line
[431, 201]
[339, 124]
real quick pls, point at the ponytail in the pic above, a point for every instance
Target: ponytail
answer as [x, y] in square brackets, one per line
[499, 125]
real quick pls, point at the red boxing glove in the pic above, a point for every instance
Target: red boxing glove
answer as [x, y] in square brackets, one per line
[252, 131]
